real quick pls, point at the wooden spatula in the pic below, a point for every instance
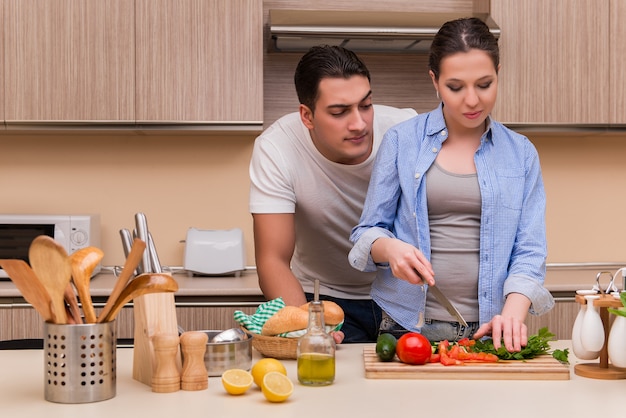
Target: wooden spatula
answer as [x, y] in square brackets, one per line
[132, 261]
[51, 264]
[30, 287]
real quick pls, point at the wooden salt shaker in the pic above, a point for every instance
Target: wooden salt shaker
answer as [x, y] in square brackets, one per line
[194, 375]
[166, 377]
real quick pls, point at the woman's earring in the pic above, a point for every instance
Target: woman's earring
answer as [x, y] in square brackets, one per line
[437, 93]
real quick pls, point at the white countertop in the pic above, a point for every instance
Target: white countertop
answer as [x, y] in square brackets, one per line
[21, 394]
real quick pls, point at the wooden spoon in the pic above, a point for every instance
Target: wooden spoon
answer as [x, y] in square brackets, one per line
[84, 262]
[30, 287]
[51, 264]
[141, 285]
[132, 261]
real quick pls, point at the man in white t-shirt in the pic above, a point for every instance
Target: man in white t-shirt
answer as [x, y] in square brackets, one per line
[309, 176]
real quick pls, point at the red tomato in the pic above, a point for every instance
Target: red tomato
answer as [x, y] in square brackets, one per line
[413, 348]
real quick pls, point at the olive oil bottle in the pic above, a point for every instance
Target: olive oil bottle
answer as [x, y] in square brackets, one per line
[316, 348]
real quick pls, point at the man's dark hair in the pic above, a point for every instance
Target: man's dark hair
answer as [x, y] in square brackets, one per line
[323, 62]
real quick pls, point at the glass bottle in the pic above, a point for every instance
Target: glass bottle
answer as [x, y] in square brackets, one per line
[316, 350]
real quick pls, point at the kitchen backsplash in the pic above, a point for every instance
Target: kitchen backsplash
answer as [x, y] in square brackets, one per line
[196, 181]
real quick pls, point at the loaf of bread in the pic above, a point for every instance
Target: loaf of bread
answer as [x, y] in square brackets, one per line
[294, 318]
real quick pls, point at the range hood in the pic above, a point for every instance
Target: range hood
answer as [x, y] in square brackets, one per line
[360, 31]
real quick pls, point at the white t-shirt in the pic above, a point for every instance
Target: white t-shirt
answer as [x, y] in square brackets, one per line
[289, 175]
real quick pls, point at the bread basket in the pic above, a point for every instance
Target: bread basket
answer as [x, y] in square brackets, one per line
[276, 347]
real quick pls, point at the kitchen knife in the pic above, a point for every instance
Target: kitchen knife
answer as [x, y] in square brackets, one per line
[154, 258]
[142, 233]
[126, 240]
[445, 302]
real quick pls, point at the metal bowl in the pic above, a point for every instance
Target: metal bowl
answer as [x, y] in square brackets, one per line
[221, 356]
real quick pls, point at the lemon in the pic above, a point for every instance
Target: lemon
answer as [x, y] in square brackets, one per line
[236, 381]
[264, 366]
[276, 387]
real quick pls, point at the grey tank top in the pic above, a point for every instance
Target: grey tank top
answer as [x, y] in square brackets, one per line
[454, 207]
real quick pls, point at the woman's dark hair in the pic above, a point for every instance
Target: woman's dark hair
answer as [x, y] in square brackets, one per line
[322, 62]
[461, 35]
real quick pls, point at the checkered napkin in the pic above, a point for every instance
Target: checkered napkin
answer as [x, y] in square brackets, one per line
[254, 322]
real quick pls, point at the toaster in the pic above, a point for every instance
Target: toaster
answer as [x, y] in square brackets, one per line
[214, 252]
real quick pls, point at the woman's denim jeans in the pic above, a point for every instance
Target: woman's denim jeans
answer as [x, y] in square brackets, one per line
[434, 330]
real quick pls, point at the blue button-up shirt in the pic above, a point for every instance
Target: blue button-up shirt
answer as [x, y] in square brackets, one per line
[512, 225]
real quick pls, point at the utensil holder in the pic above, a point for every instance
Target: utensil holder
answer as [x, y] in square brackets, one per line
[79, 362]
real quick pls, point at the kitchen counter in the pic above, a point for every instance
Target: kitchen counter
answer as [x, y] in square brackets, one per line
[559, 279]
[243, 286]
[21, 394]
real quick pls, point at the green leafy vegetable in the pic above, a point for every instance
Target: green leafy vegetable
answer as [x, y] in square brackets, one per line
[538, 345]
[561, 355]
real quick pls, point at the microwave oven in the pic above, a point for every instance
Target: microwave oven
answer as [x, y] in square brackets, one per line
[73, 232]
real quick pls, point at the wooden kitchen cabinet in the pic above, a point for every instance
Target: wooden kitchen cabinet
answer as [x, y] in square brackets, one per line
[200, 61]
[617, 81]
[2, 36]
[210, 318]
[555, 61]
[69, 60]
[133, 61]
[26, 323]
[6, 328]
[19, 321]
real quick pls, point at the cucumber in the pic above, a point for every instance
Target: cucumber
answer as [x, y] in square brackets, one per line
[386, 347]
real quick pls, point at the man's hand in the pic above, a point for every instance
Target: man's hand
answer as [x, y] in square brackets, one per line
[338, 336]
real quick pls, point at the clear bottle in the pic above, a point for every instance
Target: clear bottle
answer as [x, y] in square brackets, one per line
[316, 350]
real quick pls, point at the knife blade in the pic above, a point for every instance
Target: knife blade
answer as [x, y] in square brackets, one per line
[445, 302]
[142, 233]
[154, 257]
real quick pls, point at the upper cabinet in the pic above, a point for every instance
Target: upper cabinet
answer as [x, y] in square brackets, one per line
[555, 59]
[2, 61]
[152, 62]
[69, 60]
[617, 65]
[200, 61]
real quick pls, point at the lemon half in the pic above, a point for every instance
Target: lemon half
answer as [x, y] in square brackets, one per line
[276, 387]
[236, 381]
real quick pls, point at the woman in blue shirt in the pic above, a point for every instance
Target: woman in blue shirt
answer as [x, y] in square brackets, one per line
[456, 198]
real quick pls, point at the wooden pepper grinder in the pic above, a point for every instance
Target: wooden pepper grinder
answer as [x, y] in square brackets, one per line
[195, 375]
[166, 377]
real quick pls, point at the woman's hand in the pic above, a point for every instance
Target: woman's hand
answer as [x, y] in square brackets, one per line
[406, 262]
[508, 327]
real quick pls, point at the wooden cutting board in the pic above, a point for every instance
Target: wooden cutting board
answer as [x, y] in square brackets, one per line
[540, 368]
